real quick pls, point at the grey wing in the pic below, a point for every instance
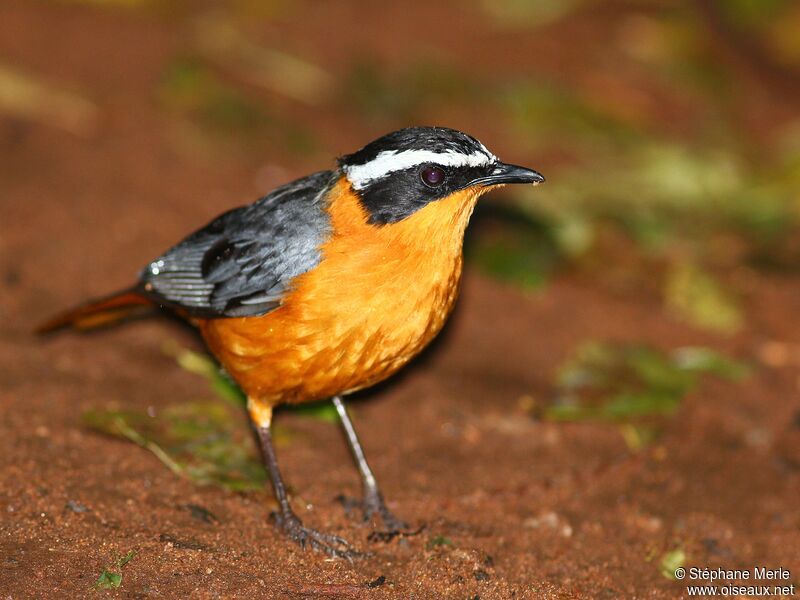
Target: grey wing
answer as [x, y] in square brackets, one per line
[242, 262]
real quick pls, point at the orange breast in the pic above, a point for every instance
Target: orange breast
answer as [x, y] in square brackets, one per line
[379, 295]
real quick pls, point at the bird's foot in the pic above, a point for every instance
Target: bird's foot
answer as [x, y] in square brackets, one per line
[372, 506]
[333, 545]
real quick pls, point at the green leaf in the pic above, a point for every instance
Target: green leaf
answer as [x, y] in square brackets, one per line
[108, 580]
[671, 561]
[111, 577]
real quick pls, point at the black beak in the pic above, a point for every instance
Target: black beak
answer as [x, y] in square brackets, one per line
[504, 173]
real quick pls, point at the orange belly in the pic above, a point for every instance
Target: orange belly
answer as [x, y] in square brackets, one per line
[379, 295]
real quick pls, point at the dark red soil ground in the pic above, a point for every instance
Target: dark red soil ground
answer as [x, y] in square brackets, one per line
[533, 510]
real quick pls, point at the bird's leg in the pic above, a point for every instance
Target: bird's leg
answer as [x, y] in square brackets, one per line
[285, 518]
[372, 503]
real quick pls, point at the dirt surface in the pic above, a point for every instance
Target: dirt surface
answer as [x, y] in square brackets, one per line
[521, 508]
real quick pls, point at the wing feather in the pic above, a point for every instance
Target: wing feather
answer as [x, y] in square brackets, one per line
[242, 263]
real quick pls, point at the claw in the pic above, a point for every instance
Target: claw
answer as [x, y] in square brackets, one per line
[332, 545]
[373, 505]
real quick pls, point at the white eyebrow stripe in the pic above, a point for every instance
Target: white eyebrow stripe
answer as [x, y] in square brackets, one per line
[486, 150]
[390, 161]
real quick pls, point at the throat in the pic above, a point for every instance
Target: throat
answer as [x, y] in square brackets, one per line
[419, 255]
[437, 229]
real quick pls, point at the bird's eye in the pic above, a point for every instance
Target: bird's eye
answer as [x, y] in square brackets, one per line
[432, 176]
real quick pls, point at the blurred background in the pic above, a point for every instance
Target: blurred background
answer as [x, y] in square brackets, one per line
[662, 249]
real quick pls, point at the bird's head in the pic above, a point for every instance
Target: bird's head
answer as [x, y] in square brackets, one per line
[404, 171]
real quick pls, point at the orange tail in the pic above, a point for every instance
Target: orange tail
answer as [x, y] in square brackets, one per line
[99, 313]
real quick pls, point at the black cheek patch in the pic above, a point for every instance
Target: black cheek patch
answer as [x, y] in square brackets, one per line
[402, 193]
[396, 197]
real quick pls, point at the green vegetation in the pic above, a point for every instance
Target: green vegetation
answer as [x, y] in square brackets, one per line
[633, 386]
[208, 442]
[205, 366]
[111, 577]
[695, 297]
[671, 561]
[438, 540]
[679, 178]
[514, 248]
[635, 176]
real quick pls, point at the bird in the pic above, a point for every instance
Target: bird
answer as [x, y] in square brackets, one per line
[325, 286]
